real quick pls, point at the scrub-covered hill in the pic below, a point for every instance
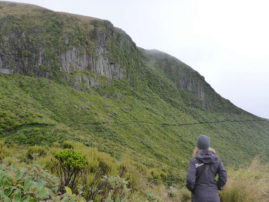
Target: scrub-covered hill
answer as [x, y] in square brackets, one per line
[69, 77]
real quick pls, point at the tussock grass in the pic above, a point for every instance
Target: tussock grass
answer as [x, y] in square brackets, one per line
[247, 185]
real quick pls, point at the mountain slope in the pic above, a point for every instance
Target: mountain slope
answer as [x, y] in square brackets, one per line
[74, 77]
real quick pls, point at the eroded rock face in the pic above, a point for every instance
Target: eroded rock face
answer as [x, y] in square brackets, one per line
[78, 60]
[5, 71]
[72, 60]
[195, 86]
[29, 53]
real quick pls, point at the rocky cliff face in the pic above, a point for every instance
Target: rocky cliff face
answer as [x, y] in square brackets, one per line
[43, 43]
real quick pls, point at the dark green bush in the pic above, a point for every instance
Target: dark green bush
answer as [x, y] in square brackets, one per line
[69, 166]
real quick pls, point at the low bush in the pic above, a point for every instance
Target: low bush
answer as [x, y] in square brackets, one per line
[114, 188]
[69, 166]
[31, 183]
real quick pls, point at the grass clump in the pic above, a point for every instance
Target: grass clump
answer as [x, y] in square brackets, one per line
[68, 145]
[157, 176]
[36, 151]
[3, 150]
[248, 185]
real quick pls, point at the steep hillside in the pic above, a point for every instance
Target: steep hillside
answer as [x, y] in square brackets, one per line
[190, 84]
[65, 76]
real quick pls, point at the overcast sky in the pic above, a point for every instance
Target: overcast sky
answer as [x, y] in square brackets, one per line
[226, 41]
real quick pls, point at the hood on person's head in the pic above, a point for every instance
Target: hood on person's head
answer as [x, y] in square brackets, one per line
[207, 156]
[203, 142]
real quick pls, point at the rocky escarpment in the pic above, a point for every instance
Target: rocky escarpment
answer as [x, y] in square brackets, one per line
[45, 43]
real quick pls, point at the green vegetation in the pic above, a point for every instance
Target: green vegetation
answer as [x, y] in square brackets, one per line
[122, 132]
[36, 151]
[248, 185]
[101, 177]
[38, 111]
[3, 151]
[30, 183]
[70, 166]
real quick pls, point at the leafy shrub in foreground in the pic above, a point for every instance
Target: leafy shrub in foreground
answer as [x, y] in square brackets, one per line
[29, 184]
[69, 166]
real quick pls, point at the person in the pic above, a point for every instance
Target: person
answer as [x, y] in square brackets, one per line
[203, 169]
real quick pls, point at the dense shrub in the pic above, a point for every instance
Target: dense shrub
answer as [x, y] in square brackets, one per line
[29, 184]
[97, 175]
[69, 166]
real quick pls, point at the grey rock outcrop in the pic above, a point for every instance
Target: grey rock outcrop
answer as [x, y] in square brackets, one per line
[29, 53]
[6, 71]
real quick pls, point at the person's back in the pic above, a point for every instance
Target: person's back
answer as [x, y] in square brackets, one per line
[201, 176]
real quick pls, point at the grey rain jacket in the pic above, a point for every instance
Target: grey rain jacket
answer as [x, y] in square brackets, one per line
[201, 177]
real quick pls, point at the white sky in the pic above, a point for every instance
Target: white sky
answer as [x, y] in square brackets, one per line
[226, 41]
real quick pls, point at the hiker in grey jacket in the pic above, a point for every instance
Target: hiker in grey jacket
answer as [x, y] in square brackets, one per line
[203, 168]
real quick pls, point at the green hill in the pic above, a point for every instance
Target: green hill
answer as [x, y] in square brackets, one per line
[69, 77]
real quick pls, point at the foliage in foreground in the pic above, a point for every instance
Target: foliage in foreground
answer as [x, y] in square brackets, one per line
[107, 179]
[81, 173]
[30, 183]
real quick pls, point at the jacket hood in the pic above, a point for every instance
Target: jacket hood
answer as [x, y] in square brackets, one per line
[207, 157]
